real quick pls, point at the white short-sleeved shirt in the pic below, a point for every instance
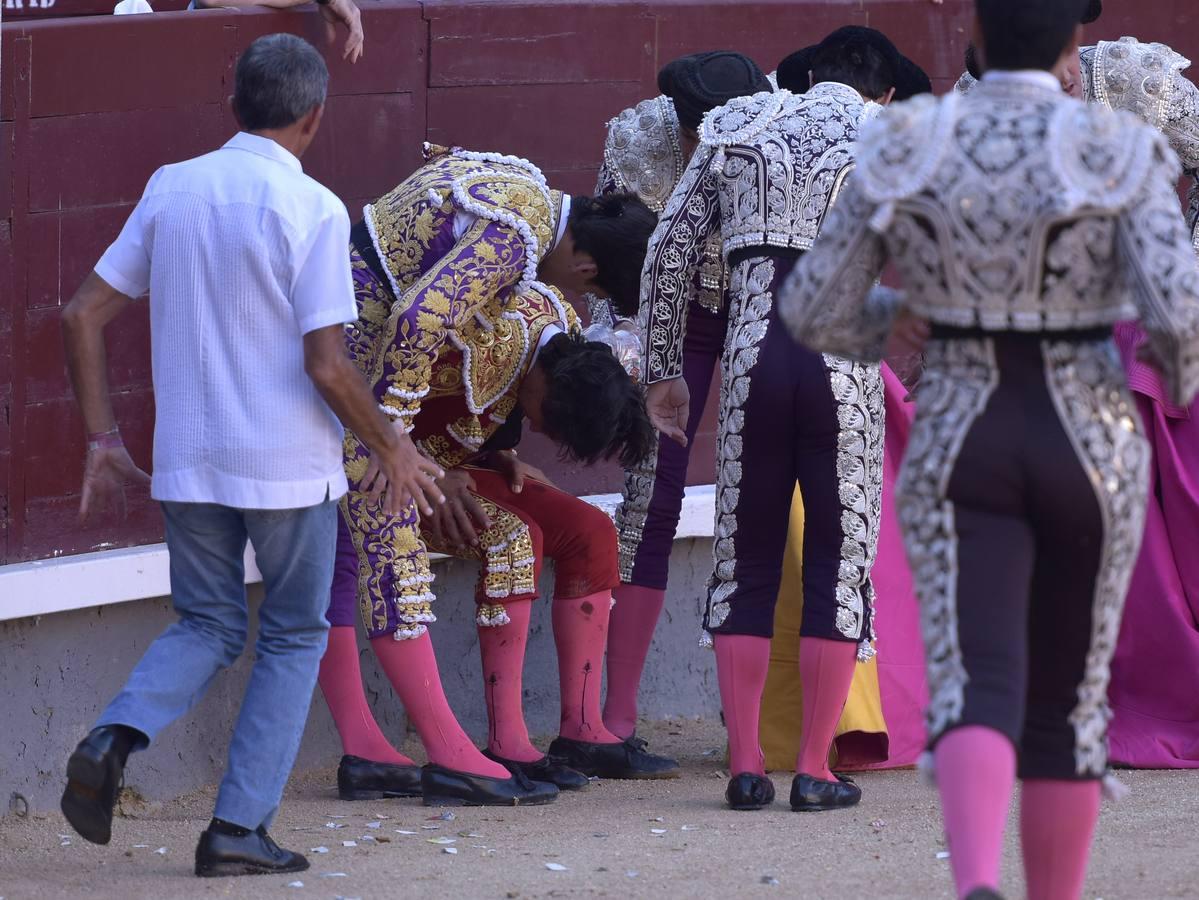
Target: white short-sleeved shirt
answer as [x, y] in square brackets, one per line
[242, 254]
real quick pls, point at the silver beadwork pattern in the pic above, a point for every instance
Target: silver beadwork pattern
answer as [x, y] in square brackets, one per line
[1087, 384]
[858, 394]
[750, 300]
[958, 380]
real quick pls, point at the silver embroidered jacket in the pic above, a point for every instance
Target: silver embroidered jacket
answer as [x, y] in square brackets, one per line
[643, 155]
[1011, 208]
[1145, 79]
[766, 172]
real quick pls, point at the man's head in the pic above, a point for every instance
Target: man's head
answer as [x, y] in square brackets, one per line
[1029, 34]
[863, 58]
[701, 82]
[795, 75]
[281, 82]
[603, 249]
[580, 396]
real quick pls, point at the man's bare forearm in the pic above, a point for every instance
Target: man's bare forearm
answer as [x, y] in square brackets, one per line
[94, 305]
[344, 388]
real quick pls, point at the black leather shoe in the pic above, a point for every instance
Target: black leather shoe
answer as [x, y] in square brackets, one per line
[94, 774]
[361, 779]
[984, 893]
[628, 759]
[810, 794]
[749, 791]
[551, 771]
[220, 854]
[445, 787]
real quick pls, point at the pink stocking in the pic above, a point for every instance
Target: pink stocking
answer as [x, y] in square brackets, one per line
[1057, 820]
[630, 632]
[412, 670]
[341, 683]
[503, 651]
[826, 670]
[580, 632]
[975, 770]
[741, 664]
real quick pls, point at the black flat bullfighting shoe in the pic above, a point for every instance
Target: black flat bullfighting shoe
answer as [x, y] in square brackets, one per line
[94, 774]
[749, 791]
[546, 769]
[624, 760]
[810, 794]
[362, 779]
[445, 787]
[219, 854]
[984, 893]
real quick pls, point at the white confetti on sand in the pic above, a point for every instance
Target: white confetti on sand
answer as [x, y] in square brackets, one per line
[450, 850]
[161, 851]
[402, 831]
[943, 854]
[295, 884]
[319, 850]
[349, 843]
[373, 824]
[657, 831]
[442, 840]
[333, 875]
[334, 825]
[555, 867]
[382, 817]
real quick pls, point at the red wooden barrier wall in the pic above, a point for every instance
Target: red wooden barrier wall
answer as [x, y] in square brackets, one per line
[89, 107]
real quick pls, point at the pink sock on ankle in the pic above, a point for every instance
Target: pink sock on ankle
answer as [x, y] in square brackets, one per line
[975, 771]
[630, 631]
[742, 661]
[580, 632]
[411, 668]
[502, 649]
[1057, 821]
[826, 670]
[341, 683]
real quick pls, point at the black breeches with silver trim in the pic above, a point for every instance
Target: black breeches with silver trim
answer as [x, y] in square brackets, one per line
[1022, 501]
[790, 414]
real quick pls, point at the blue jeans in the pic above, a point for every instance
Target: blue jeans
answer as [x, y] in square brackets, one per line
[295, 550]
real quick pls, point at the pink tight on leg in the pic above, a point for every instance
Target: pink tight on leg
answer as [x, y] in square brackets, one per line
[630, 631]
[580, 632]
[502, 649]
[411, 668]
[826, 670]
[742, 661]
[1057, 821]
[975, 771]
[341, 683]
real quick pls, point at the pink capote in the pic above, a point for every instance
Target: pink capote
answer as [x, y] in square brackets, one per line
[1154, 690]
[897, 619]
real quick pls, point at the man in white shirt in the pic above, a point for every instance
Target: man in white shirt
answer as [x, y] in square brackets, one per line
[244, 258]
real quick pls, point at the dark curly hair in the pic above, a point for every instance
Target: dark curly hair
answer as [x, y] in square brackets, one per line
[615, 230]
[592, 409]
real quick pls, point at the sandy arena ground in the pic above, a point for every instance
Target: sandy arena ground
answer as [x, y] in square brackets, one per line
[617, 839]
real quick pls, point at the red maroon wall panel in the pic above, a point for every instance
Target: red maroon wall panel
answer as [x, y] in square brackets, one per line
[90, 107]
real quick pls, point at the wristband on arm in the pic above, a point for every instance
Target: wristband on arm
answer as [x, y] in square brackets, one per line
[104, 440]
